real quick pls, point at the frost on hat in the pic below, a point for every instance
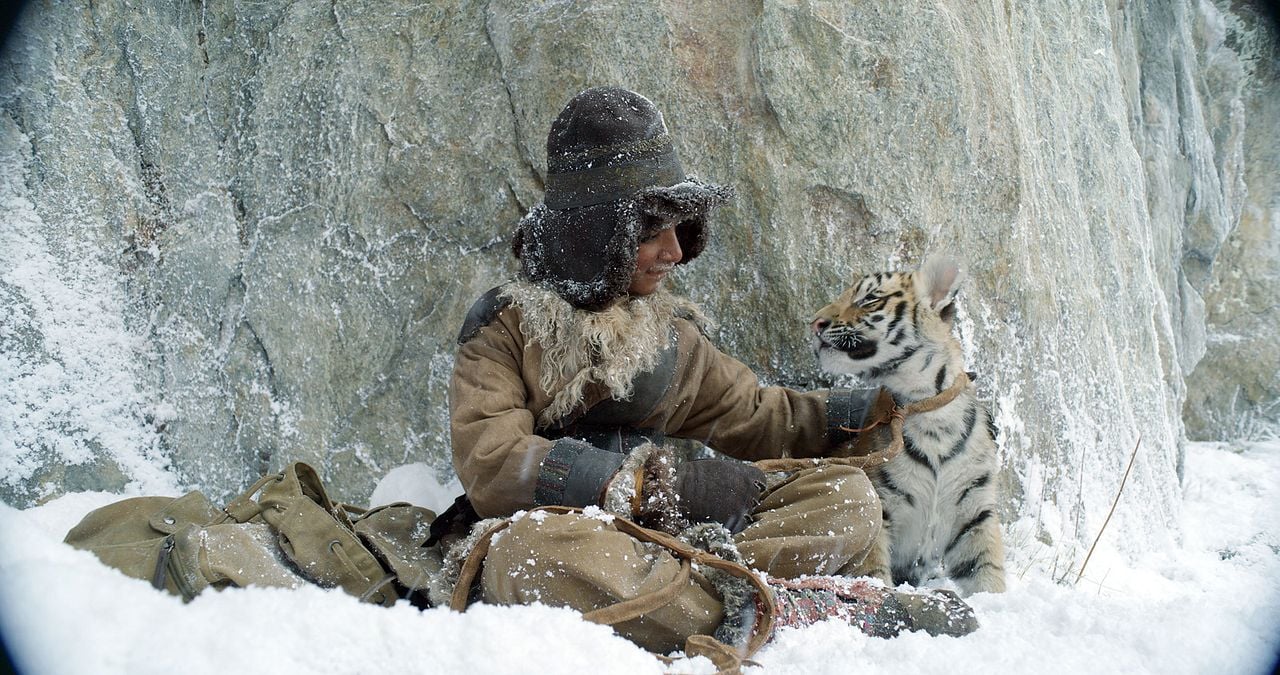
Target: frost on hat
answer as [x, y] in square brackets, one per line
[610, 161]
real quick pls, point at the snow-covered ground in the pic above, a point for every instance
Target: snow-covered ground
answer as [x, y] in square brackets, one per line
[1209, 605]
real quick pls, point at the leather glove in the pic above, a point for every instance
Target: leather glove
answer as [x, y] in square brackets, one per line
[719, 491]
[860, 420]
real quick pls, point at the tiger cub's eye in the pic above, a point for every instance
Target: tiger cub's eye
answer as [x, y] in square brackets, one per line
[871, 303]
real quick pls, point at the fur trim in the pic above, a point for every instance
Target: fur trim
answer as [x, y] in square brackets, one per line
[692, 200]
[440, 587]
[659, 503]
[586, 255]
[659, 500]
[737, 594]
[609, 347]
[620, 494]
[691, 197]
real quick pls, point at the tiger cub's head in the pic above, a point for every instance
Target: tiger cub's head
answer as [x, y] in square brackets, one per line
[887, 319]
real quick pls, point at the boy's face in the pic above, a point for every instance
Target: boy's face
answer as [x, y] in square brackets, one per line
[655, 256]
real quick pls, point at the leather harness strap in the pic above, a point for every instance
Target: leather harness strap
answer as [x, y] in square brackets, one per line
[895, 418]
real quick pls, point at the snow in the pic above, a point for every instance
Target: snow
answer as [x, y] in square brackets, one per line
[416, 483]
[62, 345]
[1208, 604]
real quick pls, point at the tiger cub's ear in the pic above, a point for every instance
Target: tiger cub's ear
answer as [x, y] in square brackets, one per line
[936, 284]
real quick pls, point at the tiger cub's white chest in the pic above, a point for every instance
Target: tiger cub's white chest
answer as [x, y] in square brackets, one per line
[940, 481]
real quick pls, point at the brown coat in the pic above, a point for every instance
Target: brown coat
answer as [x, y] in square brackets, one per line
[495, 400]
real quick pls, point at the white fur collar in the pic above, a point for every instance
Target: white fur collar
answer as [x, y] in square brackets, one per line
[610, 346]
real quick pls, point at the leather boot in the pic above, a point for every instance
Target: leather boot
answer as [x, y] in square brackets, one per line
[873, 608]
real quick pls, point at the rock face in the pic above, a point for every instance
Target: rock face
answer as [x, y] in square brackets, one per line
[1234, 391]
[288, 207]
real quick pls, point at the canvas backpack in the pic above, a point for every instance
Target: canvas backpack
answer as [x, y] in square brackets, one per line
[284, 531]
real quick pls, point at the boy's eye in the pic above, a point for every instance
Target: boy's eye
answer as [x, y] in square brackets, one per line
[651, 222]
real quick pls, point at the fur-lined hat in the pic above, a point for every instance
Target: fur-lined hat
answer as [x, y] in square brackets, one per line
[610, 162]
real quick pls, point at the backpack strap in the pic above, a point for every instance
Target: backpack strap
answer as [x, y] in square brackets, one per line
[244, 508]
[482, 313]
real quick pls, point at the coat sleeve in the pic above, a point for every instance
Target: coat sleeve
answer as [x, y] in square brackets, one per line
[504, 466]
[729, 411]
[495, 451]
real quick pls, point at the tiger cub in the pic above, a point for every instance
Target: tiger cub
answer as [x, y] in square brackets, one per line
[938, 496]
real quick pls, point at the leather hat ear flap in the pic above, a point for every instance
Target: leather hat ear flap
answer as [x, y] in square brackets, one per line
[585, 255]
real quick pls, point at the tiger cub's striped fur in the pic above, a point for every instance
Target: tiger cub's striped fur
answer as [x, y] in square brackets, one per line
[939, 494]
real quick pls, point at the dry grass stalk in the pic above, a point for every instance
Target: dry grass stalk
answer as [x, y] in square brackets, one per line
[1132, 456]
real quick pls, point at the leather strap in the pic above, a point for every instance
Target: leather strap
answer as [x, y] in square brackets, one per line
[243, 508]
[896, 418]
[642, 604]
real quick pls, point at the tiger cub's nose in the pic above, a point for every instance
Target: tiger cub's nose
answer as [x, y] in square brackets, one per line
[819, 325]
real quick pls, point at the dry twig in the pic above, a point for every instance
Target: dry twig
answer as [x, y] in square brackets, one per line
[1132, 456]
